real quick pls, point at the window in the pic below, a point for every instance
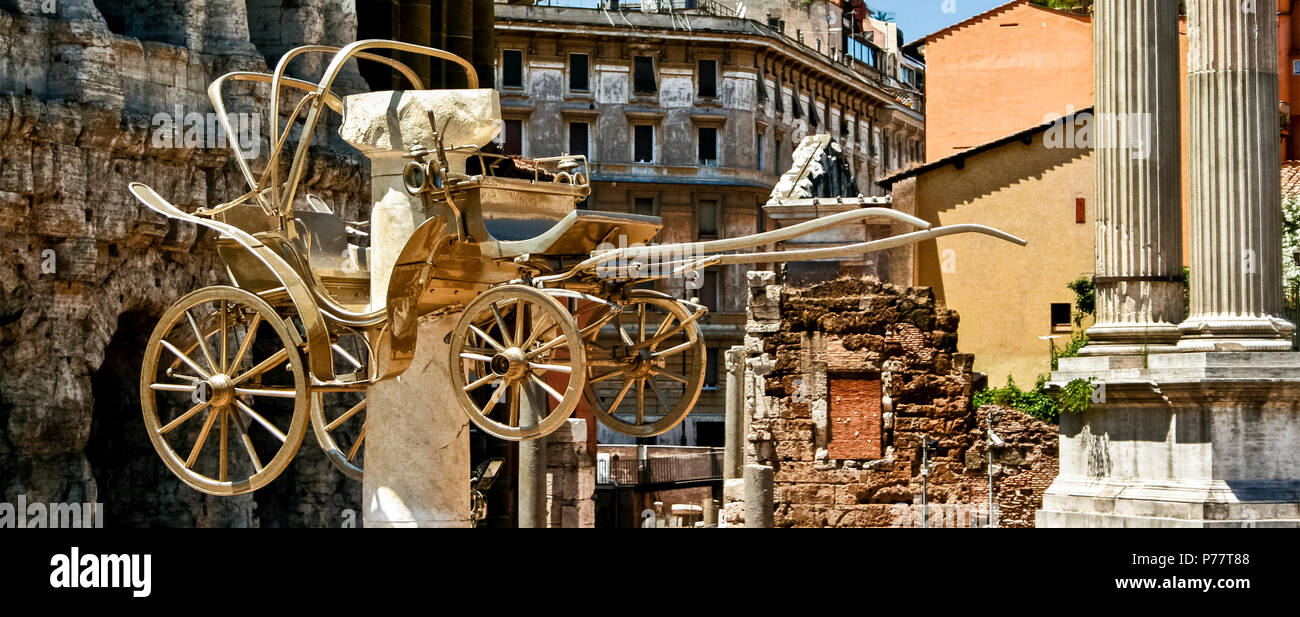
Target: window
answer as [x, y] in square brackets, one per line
[643, 147]
[512, 68]
[758, 145]
[1080, 210]
[1061, 317]
[778, 157]
[514, 144]
[578, 138]
[708, 218]
[710, 434]
[888, 152]
[579, 74]
[643, 75]
[708, 73]
[708, 146]
[708, 293]
[713, 355]
[644, 206]
[780, 97]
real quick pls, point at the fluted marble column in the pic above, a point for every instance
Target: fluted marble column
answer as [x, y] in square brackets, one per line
[1138, 184]
[1235, 156]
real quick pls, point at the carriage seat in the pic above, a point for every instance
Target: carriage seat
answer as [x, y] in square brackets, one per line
[577, 234]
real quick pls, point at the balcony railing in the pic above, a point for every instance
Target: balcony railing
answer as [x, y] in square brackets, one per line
[674, 469]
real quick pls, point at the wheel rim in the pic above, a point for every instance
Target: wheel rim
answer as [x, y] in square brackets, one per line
[338, 419]
[223, 367]
[509, 338]
[646, 392]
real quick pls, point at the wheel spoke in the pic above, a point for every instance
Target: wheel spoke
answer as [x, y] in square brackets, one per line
[641, 318]
[171, 387]
[659, 396]
[664, 324]
[538, 331]
[627, 338]
[501, 325]
[263, 366]
[559, 368]
[249, 334]
[545, 386]
[671, 375]
[489, 340]
[479, 383]
[272, 392]
[356, 445]
[609, 375]
[225, 421]
[184, 358]
[621, 395]
[514, 403]
[182, 418]
[203, 343]
[475, 357]
[203, 438]
[248, 441]
[260, 420]
[672, 350]
[347, 414]
[640, 401]
[225, 346]
[555, 342]
[519, 320]
[496, 396]
[346, 356]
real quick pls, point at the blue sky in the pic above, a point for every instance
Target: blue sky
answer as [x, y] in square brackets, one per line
[917, 18]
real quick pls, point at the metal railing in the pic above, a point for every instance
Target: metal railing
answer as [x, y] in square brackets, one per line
[672, 469]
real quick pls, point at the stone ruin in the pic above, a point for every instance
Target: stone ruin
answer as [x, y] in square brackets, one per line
[86, 270]
[842, 381]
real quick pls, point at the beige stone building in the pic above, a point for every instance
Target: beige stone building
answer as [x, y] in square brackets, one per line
[691, 115]
[1030, 184]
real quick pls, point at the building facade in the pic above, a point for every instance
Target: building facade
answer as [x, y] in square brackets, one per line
[691, 115]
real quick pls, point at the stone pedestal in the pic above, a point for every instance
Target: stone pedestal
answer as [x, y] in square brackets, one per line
[1188, 440]
[1139, 243]
[417, 443]
[1234, 157]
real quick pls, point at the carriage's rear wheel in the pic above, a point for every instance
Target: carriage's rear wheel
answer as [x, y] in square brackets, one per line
[338, 419]
[224, 391]
[515, 343]
[645, 380]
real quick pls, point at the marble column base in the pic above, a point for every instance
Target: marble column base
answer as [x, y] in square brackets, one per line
[1180, 440]
[1131, 339]
[1236, 334]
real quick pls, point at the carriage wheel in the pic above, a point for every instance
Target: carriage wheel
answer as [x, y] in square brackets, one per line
[515, 342]
[338, 419]
[647, 391]
[222, 361]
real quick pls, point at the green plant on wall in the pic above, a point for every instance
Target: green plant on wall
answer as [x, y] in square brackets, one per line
[1041, 402]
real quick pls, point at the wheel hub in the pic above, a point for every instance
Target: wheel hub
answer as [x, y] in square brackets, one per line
[510, 363]
[220, 390]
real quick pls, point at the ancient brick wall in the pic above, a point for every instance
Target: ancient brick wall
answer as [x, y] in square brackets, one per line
[844, 380]
[85, 270]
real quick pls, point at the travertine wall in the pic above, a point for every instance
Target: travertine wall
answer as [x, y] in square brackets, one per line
[86, 270]
[845, 379]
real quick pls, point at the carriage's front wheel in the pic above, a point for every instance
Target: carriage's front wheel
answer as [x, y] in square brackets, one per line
[515, 344]
[224, 391]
